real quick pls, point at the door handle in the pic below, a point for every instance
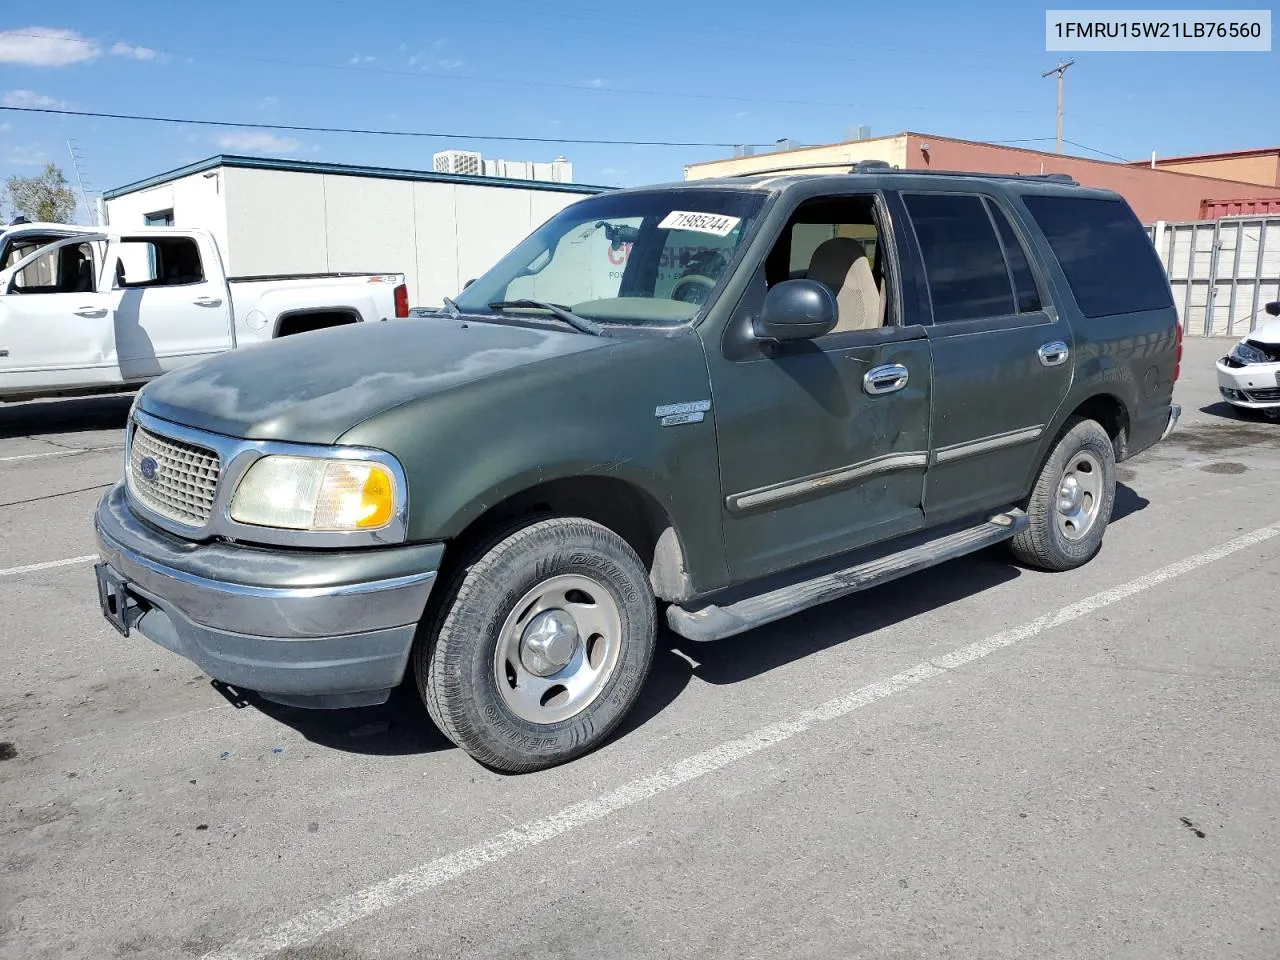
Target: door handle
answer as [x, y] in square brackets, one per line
[885, 379]
[207, 301]
[91, 312]
[1053, 354]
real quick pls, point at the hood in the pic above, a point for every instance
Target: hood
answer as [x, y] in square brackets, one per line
[1268, 333]
[314, 387]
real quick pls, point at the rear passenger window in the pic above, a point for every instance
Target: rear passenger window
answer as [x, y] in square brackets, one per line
[964, 265]
[1105, 254]
[158, 262]
[1024, 283]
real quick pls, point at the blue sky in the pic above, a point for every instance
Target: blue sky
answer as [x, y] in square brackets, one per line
[749, 71]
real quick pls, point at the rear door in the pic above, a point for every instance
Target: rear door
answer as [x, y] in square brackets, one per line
[823, 443]
[1001, 351]
[171, 307]
[56, 329]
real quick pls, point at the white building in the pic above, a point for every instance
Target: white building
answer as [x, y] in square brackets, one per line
[286, 217]
[558, 170]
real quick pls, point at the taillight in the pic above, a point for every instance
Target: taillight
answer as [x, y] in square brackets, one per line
[1177, 356]
[402, 301]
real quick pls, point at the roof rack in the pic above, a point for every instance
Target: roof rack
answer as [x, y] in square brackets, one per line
[882, 166]
[793, 168]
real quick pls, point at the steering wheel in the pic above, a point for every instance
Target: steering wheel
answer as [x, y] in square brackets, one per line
[699, 286]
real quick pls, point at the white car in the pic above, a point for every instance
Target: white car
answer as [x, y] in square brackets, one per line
[1249, 376]
[84, 310]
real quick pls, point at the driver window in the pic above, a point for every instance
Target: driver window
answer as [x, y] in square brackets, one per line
[836, 242]
[69, 269]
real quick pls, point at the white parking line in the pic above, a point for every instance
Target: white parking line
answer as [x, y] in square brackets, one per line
[396, 890]
[56, 453]
[47, 565]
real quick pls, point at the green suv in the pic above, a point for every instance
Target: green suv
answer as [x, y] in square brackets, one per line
[716, 402]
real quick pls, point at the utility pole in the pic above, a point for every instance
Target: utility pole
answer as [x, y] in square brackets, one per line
[75, 165]
[1060, 69]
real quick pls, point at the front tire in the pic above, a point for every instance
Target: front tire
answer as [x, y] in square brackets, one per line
[539, 646]
[1071, 502]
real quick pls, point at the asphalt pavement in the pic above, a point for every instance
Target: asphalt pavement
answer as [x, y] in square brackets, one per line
[976, 761]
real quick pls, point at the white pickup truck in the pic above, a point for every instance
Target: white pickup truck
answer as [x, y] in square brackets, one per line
[86, 310]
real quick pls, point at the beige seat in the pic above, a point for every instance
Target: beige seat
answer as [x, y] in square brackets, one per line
[841, 264]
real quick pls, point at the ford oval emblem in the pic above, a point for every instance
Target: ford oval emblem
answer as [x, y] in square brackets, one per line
[148, 468]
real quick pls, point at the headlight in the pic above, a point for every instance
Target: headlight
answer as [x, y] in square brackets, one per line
[1248, 353]
[305, 493]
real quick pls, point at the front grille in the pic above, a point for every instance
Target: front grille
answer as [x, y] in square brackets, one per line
[1265, 395]
[183, 482]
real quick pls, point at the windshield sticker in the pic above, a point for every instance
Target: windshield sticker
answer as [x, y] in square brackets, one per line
[713, 223]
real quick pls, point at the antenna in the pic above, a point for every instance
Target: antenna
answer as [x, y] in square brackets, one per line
[75, 165]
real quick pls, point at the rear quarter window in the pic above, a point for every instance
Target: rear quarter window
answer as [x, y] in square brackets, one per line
[1104, 252]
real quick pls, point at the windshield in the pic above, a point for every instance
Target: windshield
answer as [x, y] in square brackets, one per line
[633, 258]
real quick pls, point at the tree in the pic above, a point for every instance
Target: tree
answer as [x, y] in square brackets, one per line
[46, 198]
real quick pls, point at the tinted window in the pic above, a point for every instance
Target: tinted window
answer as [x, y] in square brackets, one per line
[1024, 283]
[963, 263]
[1105, 253]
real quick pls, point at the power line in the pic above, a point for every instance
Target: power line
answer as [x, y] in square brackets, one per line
[1085, 146]
[299, 128]
[540, 84]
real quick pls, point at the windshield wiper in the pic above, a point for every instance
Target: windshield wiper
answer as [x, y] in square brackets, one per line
[452, 308]
[557, 310]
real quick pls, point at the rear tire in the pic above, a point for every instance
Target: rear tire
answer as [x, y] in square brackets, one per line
[539, 645]
[1071, 502]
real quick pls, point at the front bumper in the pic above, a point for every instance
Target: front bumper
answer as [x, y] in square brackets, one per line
[304, 627]
[1255, 386]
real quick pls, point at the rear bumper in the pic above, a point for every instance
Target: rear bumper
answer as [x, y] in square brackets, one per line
[1175, 411]
[311, 628]
[1255, 386]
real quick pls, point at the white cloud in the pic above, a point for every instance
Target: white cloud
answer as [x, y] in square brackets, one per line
[46, 47]
[449, 64]
[129, 50]
[29, 98]
[597, 83]
[359, 59]
[268, 103]
[5, 128]
[29, 155]
[253, 142]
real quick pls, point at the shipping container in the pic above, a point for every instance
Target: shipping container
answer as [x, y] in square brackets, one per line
[1249, 207]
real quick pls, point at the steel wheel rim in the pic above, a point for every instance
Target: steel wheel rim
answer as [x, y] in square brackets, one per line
[1079, 496]
[523, 655]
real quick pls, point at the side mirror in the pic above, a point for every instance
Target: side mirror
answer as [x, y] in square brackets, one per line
[468, 283]
[797, 310]
[1273, 308]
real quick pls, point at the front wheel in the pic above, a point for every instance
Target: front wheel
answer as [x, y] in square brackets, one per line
[539, 646]
[1071, 502]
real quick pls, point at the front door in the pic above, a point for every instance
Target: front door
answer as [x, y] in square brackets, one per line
[1001, 353]
[823, 444]
[56, 330]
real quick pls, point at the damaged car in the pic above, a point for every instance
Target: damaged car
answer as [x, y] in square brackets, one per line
[1249, 376]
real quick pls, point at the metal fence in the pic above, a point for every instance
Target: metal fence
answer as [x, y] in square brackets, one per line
[1222, 271]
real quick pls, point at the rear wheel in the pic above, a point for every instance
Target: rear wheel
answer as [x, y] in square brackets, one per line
[539, 645]
[1071, 502]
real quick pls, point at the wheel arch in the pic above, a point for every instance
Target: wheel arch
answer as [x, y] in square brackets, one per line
[619, 504]
[306, 319]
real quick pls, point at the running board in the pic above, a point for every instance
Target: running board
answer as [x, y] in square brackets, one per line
[711, 622]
